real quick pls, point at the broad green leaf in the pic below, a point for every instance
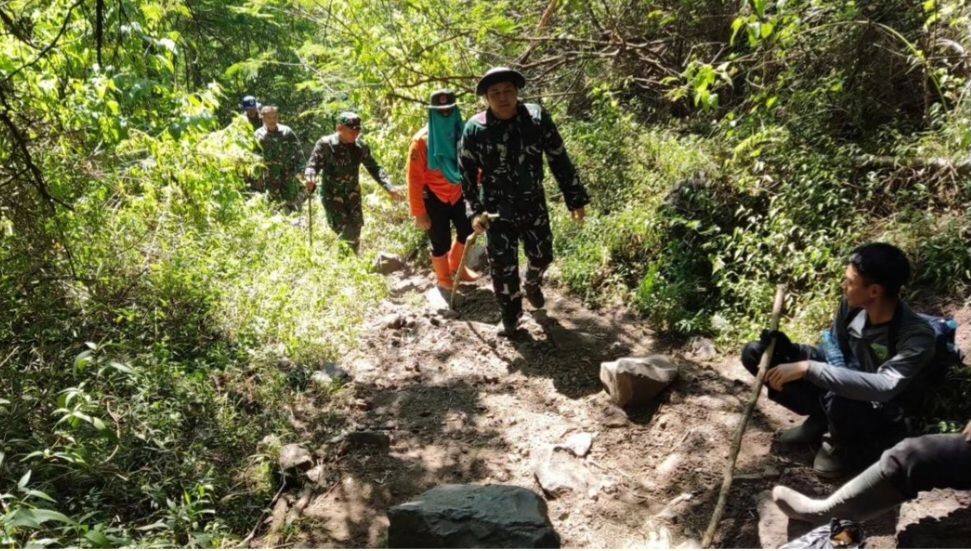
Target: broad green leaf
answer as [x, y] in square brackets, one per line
[41, 495]
[24, 480]
[47, 515]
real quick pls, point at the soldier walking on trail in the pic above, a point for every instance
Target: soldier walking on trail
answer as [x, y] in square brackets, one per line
[251, 108]
[280, 148]
[337, 159]
[435, 190]
[501, 159]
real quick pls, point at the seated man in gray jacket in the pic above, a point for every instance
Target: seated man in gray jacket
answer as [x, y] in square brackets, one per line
[863, 383]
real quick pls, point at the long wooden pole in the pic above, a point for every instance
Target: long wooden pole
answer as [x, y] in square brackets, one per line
[469, 243]
[728, 475]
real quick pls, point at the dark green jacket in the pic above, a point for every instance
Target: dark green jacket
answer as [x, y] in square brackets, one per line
[502, 163]
[281, 156]
[338, 165]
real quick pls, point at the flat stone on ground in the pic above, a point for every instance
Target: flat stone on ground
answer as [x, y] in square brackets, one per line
[456, 516]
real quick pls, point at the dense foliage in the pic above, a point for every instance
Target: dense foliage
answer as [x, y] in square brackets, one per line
[158, 318]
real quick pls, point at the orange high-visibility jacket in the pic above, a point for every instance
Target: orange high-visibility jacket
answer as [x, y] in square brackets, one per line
[420, 177]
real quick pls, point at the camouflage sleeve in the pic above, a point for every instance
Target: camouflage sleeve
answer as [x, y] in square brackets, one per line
[373, 168]
[469, 167]
[574, 193]
[318, 156]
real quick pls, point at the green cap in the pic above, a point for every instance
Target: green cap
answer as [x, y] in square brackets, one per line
[349, 119]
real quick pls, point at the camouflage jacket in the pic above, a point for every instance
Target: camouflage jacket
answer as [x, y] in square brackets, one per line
[509, 155]
[338, 165]
[281, 155]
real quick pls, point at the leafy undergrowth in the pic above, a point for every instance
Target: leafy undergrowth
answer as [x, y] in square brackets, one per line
[136, 399]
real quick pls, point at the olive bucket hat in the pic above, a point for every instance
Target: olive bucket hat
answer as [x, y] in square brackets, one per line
[497, 75]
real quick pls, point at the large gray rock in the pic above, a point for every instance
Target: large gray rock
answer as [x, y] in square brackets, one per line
[635, 381]
[469, 516]
[939, 519]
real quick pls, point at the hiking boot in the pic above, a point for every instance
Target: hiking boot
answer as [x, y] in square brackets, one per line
[830, 461]
[507, 327]
[535, 296]
[810, 432]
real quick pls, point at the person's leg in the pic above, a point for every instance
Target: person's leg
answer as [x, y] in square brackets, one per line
[463, 225]
[347, 219]
[800, 396]
[538, 244]
[439, 235]
[913, 465]
[928, 462]
[463, 228]
[858, 433]
[503, 251]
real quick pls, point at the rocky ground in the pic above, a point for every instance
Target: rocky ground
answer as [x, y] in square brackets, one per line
[430, 399]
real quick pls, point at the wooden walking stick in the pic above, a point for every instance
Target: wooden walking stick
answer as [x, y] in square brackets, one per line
[465, 254]
[310, 219]
[727, 477]
[310, 209]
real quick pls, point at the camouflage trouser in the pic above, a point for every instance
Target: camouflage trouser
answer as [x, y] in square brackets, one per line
[345, 216]
[533, 229]
[283, 190]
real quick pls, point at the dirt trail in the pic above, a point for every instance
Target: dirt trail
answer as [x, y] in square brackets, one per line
[460, 405]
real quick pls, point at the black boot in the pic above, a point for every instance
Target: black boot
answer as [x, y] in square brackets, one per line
[535, 296]
[509, 325]
[809, 432]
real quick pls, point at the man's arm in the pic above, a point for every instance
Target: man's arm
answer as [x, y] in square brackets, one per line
[574, 193]
[374, 169]
[415, 169]
[317, 157]
[915, 351]
[469, 167]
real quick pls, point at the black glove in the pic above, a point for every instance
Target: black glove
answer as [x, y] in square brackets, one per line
[785, 351]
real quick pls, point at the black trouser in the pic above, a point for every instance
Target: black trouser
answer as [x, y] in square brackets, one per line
[853, 424]
[928, 462]
[442, 216]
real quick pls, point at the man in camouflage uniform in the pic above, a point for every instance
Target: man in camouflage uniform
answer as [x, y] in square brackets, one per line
[280, 148]
[337, 159]
[501, 159]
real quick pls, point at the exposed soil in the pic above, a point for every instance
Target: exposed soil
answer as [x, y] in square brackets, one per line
[461, 405]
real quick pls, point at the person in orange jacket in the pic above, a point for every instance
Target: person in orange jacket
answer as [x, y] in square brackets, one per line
[435, 187]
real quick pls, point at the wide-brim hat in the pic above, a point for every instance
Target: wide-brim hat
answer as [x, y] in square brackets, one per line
[497, 75]
[441, 100]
